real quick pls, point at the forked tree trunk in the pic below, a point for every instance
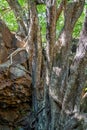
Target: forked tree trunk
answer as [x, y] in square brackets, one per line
[55, 83]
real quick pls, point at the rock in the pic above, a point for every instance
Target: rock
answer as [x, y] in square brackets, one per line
[15, 93]
[17, 71]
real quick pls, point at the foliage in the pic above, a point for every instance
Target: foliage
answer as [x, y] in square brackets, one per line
[7, 14]
[22, 2]
[78, 25]
[60, 24]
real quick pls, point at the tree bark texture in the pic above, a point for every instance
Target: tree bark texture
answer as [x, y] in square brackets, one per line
[42, 88]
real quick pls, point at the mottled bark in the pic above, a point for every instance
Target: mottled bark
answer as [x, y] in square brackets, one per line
[49, 76]
[35, 58]
[50, 36]
[59, 77]
[6, 35]
[77, 70]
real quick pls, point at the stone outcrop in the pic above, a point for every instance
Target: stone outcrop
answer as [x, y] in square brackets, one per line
[15, 93]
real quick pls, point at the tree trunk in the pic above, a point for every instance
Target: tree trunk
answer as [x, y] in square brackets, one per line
[49, 76]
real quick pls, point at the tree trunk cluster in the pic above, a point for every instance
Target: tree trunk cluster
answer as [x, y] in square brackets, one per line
[42, 88]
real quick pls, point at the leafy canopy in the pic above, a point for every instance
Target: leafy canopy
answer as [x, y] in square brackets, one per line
[8, 16]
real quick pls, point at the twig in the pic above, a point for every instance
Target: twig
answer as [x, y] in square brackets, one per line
[15, 53]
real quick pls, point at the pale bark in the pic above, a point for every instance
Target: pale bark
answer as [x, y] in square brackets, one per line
[59, 77]
[77, 70]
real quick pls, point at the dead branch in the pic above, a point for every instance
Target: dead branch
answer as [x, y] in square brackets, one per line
[24, 48]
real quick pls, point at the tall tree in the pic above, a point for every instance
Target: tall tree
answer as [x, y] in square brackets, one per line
[46, 77]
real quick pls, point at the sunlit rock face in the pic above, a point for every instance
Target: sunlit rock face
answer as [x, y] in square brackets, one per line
[15, 94]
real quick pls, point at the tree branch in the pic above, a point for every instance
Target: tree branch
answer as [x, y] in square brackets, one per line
[76, 81]
[32, 35]
[51, 29]
[72, 12]
[77, 8]
[15, 53]
[63, 46]
[20, 16]
[60, 8]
